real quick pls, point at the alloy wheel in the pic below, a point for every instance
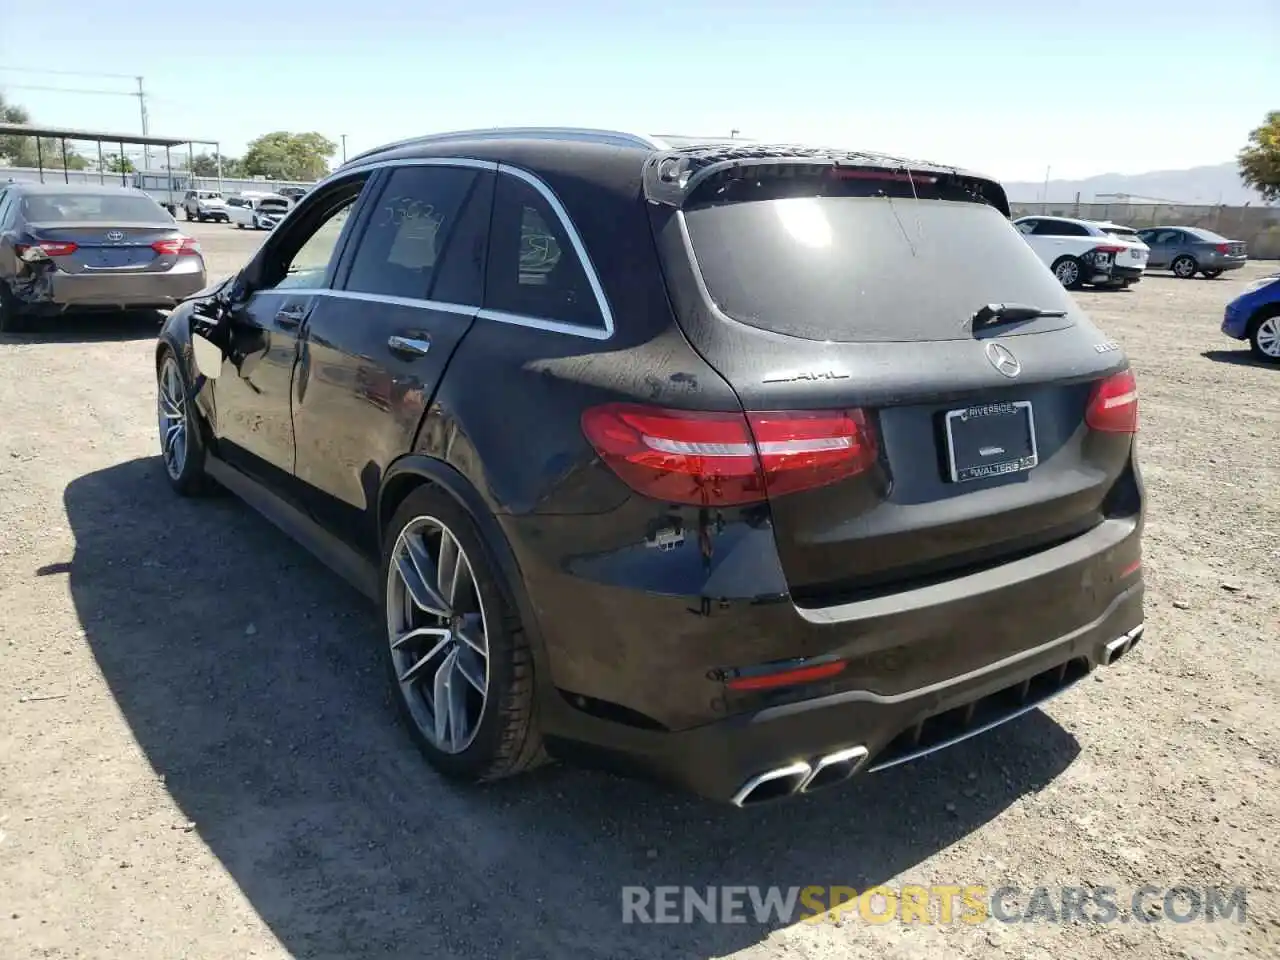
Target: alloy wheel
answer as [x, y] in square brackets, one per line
[438, 633]
[1184, 267]
[171, 411]
[1267, 337]
[1067, 272]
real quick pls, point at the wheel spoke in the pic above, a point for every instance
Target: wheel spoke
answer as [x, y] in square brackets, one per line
[448, 568]
[413, 565]
[471, 668]
[471, 633]
[440, 698]
[459, 726]
[418, 665]
[418, 633]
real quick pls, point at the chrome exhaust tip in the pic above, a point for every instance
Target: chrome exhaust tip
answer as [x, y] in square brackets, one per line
[835, 768]
[772, 784]
[1118, 647]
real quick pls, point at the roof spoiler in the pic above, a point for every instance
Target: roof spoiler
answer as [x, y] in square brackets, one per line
[672, 176]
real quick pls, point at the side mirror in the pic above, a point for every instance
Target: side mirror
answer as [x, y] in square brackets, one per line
[210, 334]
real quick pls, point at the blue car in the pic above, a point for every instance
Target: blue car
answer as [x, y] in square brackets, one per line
[1255, 316]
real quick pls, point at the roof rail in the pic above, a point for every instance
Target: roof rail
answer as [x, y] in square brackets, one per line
[615, 138]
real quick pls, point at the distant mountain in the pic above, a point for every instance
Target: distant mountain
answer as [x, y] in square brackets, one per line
[1216, 184]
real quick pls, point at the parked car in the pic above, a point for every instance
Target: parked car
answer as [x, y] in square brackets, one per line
[257, 211]
[205, 205]
[1191, 250]
[1082, 252]
[87, 247]
[649, 459]
[1255, 316]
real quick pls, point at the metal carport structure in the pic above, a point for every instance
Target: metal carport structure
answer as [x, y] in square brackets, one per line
[64, 134]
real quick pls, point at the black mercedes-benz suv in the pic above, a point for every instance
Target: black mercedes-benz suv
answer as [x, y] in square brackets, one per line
[746, 467]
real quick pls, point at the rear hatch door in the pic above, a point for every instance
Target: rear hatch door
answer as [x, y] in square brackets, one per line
[853, 292]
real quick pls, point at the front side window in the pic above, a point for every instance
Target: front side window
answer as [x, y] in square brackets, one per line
[412, 221]
[300, 257]
[534, 270]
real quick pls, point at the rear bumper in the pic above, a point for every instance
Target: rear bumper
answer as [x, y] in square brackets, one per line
[138, 290]
[1224, 263]
[732, 759]
[1128, 274]
[638, 680]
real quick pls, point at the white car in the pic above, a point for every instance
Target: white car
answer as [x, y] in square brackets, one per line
[257, 211]
[1084, 252]
[205, 205]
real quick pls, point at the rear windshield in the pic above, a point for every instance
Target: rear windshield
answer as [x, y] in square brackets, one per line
[848, 267]
[124, 208]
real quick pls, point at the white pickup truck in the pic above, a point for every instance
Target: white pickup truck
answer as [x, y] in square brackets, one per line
[1082, 252]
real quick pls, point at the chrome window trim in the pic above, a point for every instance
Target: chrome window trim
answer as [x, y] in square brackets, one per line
[604, 332]
[421, 304]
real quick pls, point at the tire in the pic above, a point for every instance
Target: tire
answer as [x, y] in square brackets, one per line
[186, 477]
[12, 320]
[239, 225]
[1070, 272]
[1184, 267]
[496, 734]
[1264, 337]
[189, 217]
[1211, 274]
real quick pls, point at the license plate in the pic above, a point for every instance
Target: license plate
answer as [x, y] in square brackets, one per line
[119, 257]
[991, 440]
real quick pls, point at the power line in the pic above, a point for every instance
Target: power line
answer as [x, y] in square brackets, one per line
[105, 93]
[67, 73]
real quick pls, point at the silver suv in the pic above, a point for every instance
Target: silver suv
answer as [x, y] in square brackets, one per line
[205, 205]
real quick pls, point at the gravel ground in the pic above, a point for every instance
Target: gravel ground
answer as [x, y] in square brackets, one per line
[197, 757]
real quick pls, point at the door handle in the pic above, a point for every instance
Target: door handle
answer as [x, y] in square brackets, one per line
[290, 317]
[408, 346]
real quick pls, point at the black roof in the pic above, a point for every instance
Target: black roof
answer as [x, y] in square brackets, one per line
[663, 170]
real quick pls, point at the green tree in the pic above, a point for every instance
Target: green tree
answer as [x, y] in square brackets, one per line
[1260, 159]
[206, 165]
[119, 163]
[22, 152]
[289, 156]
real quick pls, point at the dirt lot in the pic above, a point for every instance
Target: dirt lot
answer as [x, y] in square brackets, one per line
[197, 758]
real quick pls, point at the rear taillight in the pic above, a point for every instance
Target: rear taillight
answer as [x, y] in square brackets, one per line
[844, 173]
[719, 459]
[1223, 248]
[1113, 405]
[48, 248]
[176, 247]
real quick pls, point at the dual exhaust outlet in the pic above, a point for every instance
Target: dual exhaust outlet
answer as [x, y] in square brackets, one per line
[801, 777]
[1118, 647]
[805, 777]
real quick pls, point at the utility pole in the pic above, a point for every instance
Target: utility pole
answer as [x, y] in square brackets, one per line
[344, 147]
[142, 106]
[1044, 197]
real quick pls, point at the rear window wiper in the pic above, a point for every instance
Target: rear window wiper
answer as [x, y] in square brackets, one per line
[994, 313]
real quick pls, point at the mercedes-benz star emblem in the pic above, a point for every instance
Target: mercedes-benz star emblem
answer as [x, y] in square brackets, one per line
[1003, 360]
[115, 236]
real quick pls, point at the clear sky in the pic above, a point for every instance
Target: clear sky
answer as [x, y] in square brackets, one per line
[1006, 87]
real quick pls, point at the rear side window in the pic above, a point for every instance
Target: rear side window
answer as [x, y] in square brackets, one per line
[1060, 228]
[408, 229]
[534, 270]
[824, 259]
